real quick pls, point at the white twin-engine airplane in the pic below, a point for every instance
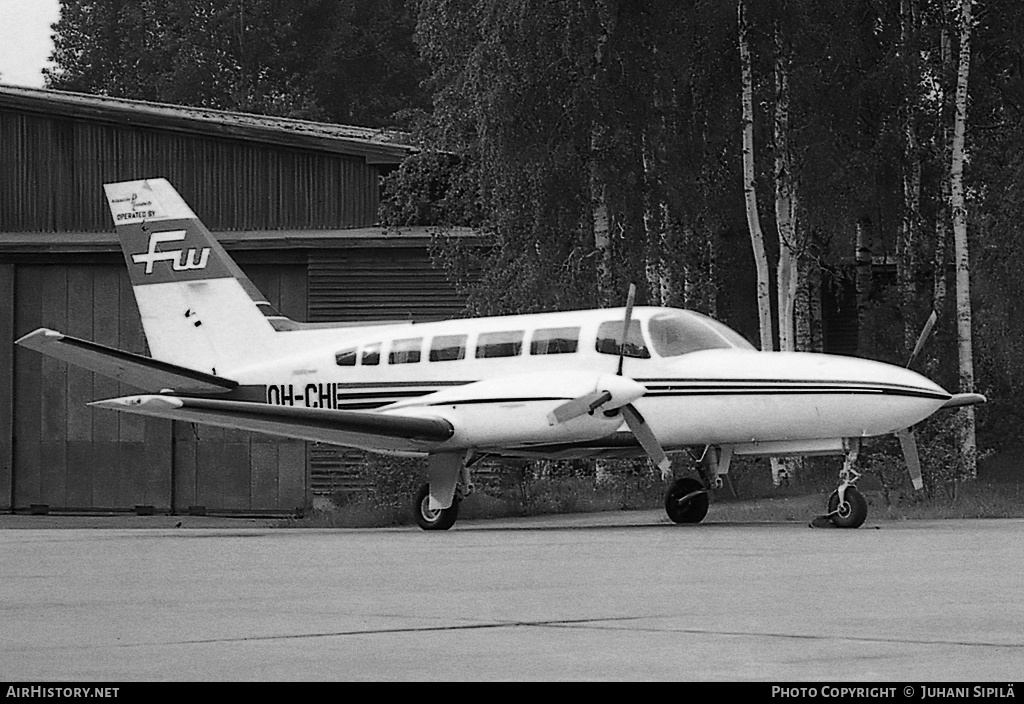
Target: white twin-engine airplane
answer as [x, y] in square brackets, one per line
[547, 385]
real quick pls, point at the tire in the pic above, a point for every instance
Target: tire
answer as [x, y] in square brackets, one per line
[692, 511]
[426, 519]
[853, 514]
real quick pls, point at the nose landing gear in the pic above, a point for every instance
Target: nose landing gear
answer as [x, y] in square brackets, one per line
[847, 507]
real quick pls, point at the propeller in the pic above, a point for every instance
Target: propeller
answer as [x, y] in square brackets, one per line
[908, 443]
[585, 404]
[623, 391]
[647, 440]
[925, 332]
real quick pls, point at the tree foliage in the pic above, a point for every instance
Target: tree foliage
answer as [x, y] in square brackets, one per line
[597, 142]
[575, 114]
[349, 62]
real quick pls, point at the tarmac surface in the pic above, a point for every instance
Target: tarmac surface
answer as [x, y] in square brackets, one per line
[614, 596]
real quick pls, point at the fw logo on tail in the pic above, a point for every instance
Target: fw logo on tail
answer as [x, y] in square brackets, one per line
[180, 259]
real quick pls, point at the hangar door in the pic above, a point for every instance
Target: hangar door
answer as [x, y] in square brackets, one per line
[68, 456]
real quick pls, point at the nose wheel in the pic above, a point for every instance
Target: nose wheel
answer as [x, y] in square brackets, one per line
[848, 511]
[847, 507]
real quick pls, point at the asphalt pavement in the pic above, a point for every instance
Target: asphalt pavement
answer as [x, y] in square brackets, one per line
[614, 596]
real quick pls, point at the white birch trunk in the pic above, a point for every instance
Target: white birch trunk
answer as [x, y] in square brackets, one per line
[968, 444]
[601, 225]
[753, 220]
[787, 274]
[602, 240]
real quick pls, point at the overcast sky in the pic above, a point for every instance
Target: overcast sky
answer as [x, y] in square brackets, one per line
[25, 43]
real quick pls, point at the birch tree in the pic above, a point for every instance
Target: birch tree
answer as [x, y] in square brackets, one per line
[788, 272]
[968, 443]
[764, 311]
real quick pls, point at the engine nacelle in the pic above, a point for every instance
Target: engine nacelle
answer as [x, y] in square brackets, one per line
[515, 409]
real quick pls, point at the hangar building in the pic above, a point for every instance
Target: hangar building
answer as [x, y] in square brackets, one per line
[294, 202]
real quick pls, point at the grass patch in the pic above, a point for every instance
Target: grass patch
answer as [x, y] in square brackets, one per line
[514, 493]
[975, 499]
[749, 496]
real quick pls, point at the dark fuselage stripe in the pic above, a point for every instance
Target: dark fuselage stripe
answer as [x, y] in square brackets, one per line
[372, 395]
[805, 391]
[511, 399]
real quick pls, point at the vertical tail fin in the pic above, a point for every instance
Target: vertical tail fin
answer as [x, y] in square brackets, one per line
[199, 310]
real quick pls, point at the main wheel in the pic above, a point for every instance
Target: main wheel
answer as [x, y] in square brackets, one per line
[428, 519]
[682, 502]
[853, 511]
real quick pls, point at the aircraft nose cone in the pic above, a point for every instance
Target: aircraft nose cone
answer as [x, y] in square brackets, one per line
[899, 378]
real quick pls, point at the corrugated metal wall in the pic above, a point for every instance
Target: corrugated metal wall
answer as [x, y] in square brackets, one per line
[380, 284]
[53, 169]
[68, 456]
[6, 383]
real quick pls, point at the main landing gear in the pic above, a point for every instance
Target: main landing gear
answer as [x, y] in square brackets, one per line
[686, 500]
[436, 506]
[434, 519]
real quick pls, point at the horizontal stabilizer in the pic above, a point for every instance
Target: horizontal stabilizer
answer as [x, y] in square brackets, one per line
[964, 400]
[316, 424]
[137, 370]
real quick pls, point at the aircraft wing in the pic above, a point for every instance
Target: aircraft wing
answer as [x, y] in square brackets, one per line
[368, 429]
[135, 369]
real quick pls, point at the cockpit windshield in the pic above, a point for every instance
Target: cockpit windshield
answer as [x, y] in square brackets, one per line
[681, 332]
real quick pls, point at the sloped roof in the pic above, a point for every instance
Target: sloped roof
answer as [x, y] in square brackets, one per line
[375, 145]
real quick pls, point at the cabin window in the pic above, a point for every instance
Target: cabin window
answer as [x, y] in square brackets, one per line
[447, 348]
[609, 339]
[555, 341]
[346, 358]
[371, 355]
[499, 344]
[405, 351]
[677, 333]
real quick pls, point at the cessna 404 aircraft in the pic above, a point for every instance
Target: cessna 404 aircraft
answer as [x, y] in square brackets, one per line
[548, 385]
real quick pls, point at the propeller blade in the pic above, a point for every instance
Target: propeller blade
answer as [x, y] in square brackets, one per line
[579, 406]
[646, 438]
[923, 337]
[909, 445]
[625, 324]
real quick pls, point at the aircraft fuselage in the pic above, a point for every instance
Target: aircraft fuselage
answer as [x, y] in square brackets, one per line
[497, 379]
